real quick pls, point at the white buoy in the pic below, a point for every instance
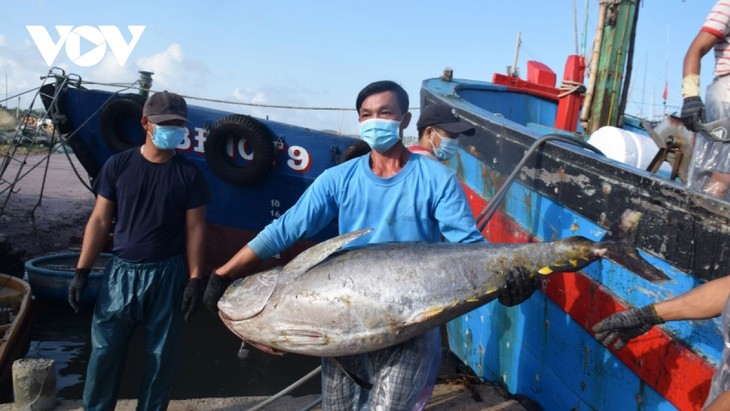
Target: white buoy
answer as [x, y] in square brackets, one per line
[34, 384]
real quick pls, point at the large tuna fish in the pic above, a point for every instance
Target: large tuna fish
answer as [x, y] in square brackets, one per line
[328, 303]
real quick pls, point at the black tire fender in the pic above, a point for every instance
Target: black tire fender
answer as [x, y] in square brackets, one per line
[119, 122]
[258, 137]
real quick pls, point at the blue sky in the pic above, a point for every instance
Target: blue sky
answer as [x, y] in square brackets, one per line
[317, 53]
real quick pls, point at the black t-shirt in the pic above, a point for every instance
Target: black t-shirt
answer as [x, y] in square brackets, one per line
[151, 200]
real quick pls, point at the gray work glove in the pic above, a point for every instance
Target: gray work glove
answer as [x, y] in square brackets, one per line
[693, 113]
[519, 285]
[622, 327]
[214, 291]
[76, 289]
[191, 297]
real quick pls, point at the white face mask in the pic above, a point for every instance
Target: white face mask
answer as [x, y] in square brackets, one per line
[447, 149]
[380, 134]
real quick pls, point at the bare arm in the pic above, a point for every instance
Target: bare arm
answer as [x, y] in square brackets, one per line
[720, 403]
[195, 239]
[96, 232]
[702, 44]
[705, 301]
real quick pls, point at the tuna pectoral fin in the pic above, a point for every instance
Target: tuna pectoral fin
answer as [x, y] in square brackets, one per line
[619, 246]
[313, 255]
[267, 350]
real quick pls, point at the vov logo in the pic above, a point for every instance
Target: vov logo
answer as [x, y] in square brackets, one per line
[70, 36]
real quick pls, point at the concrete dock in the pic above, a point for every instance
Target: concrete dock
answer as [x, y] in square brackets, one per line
[457, 389]
[447, 397]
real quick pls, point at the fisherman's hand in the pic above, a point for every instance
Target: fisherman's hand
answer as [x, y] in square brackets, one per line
[518, 286]
[214, 291]
[191, 297]
[622, 327]
[76, 289]
[693, 113]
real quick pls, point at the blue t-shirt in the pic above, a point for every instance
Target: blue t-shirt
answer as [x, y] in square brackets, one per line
[151, 201]
[421, 203]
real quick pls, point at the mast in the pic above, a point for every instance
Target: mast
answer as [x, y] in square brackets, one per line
[513, 71]
[614, 48]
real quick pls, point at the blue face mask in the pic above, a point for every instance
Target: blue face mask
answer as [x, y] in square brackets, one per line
[380, 134]
[168, 137]
[447, 149]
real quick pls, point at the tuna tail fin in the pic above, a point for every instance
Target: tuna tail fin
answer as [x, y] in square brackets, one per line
[619, 246]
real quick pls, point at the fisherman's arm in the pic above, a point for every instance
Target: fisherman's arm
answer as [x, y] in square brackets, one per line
[693, 109]
[721, 403]
[455, 218]
[194, 245]
[700, 46]
[195, 239]
[221, 277]
[313, 211]
[705, 301]
[96, 235]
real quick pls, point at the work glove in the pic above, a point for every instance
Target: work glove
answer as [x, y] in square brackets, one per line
[519, 284]
[622, 327]
[191, 297]
[76, 289]
[214, 291]
[693, 113]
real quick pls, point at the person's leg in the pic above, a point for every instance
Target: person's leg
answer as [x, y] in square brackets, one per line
[111, 329]
[405, 373]
[163, 323]
[340, 391]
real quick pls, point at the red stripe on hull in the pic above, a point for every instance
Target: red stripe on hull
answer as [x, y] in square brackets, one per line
[674, 371]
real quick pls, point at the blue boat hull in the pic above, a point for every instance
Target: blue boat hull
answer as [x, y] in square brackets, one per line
[544, 348]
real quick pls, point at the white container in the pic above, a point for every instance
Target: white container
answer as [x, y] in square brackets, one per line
[630, 148]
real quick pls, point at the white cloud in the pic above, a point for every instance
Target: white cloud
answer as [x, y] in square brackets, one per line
[173, 71]
[109, 71]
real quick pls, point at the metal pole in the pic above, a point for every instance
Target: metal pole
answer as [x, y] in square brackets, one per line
[514, 71]
[145, 83]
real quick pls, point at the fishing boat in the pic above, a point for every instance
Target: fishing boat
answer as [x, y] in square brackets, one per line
[255, 168]
[50, 276]
[530, 176]
[15, 328]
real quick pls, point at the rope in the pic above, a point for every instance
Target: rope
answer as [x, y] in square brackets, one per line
[20, 94]
[569, 87]
[238, 103]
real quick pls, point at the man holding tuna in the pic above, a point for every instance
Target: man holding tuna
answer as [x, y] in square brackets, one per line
[402, 197]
